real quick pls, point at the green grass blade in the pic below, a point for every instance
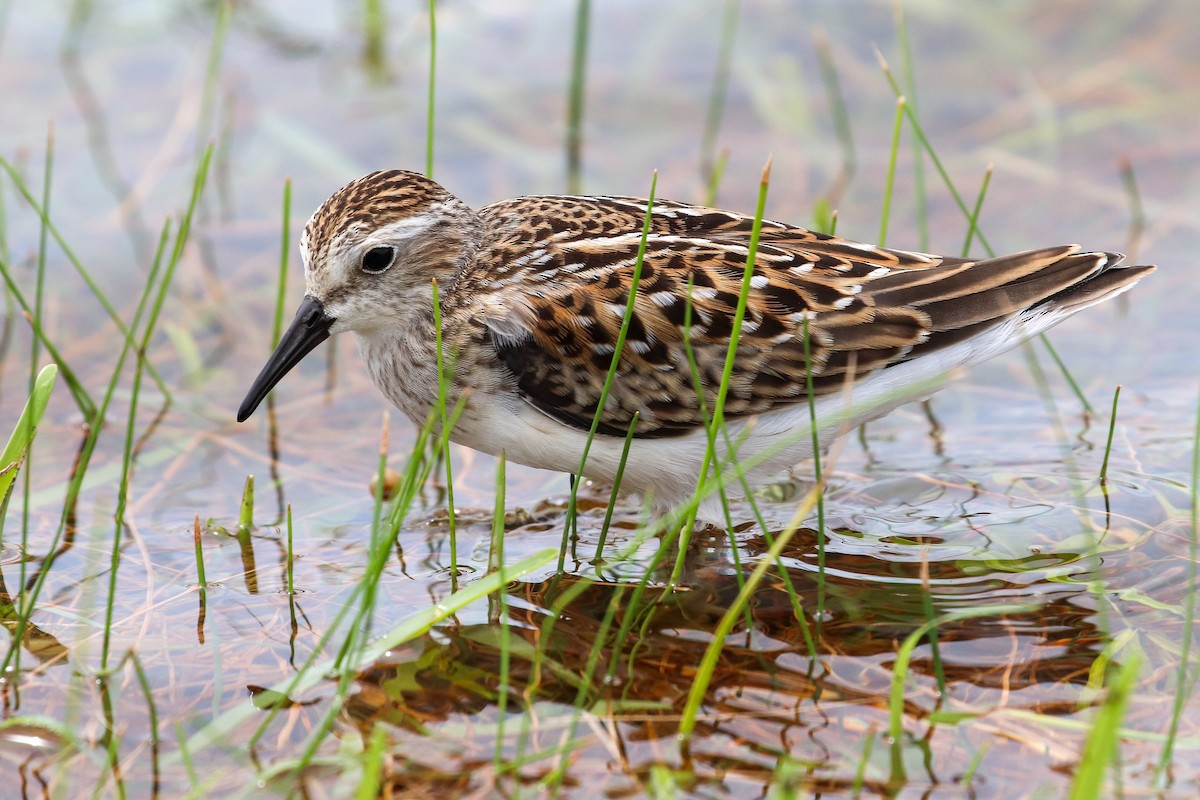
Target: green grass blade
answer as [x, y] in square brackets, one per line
[1066, 373]
[1105, 737]
[21, 439]
[374, 27]
[616, 489]
[430, 99]
[575, 96]
[93, 287]
[920, 195]
[718, 413]
[973, 222]
[712, 653]
[816, 458]
[221, 728]
[1137, 211]
[828, 204]
[919, 133]
[900, 673]
[886, 213]
[284, 248]
[618, 348]
[1182, 695]
[445, 370]
[710, 161]
[1112, 426]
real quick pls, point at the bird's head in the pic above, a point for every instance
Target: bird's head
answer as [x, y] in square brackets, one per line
[371, 253]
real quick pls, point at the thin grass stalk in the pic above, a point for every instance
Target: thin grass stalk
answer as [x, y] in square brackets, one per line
[612, 497]
[202, 582]
[919, 132]
[1103, 743]
[533, 683]
[416, 471]
[714, 178]
[811, 401]
[93, 287]
[127, 457]
[284, 250]
[910, 92]
[201, 575]
[575, 96]
[1066, 373]
[26, 607]
[860, 771]
[412, 475]
[111, 743]
[1112, 426]
[16, 450]
[246, 508]
[373, 35]
[417, 624]
[430, 98]
[212, 76]
[717, 96]
[969, 773]
[785, 576]
[618, 348]
[935, 650]
[373, 760]
[886, 213]
[83, 401]
[712, 653]
[1137, 211]
[185, 754]
[505, 632]
[351, 653]
[291, 555]
[900, 674]
[973, 221]
[841, 125]
[1095, 583]
[702, 406]
[718, 413]
[152, 716]
[445, 372]
[556, 776]
[628, 620]
[378, 541]
[408, 491]
[276, 333]
[1182, 692]
[353, 649]
[35, 342]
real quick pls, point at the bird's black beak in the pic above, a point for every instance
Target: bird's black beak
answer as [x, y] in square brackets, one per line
[308, 329]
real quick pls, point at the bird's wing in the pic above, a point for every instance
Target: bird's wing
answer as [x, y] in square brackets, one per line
[559, 272]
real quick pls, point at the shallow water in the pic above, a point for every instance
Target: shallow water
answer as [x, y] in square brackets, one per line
[990, 495]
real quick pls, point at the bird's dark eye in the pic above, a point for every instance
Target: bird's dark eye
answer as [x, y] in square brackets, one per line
[377, 259]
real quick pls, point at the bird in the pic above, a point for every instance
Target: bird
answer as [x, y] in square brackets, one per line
[534, 295]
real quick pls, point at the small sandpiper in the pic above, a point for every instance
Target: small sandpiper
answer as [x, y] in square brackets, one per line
[533, 295]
